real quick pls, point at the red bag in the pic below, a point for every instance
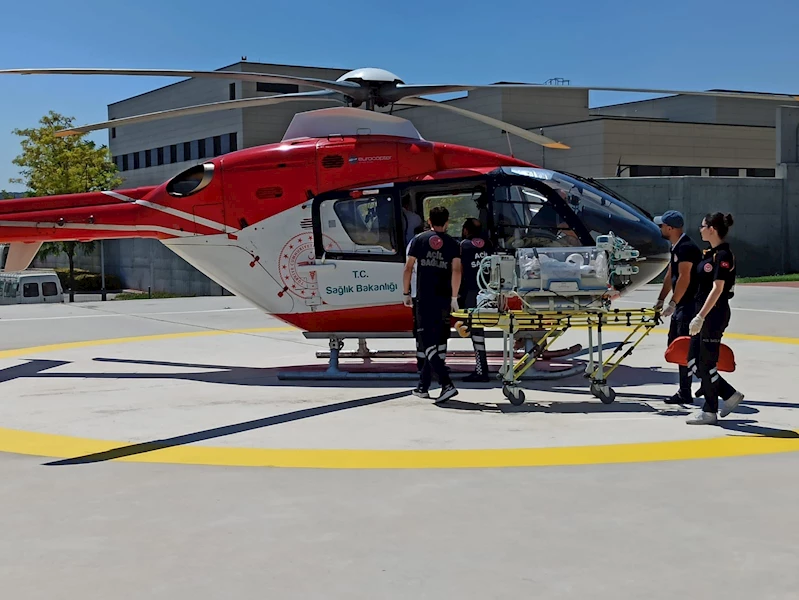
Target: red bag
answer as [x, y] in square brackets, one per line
[677, 353]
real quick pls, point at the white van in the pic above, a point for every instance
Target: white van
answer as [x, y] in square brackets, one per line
[31, 286]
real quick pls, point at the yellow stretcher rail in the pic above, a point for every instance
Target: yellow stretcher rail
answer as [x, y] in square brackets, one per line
[554, 323]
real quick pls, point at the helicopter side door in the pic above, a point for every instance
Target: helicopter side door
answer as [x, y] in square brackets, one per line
[359, 250]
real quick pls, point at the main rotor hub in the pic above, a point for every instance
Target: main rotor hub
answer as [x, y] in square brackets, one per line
[372, 81]
[370, 75]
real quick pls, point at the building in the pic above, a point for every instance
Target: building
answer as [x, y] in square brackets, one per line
[664, 144]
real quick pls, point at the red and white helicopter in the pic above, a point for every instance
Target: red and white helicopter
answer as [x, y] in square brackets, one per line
[312, 229]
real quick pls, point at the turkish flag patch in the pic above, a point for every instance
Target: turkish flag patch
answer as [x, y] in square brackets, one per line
[725, 264]
[436, 242]
[478, 243]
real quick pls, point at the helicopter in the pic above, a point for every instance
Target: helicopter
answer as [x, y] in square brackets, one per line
[311, 229]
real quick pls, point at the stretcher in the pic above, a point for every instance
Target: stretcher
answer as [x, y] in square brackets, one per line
[551, 290]
[554, 324]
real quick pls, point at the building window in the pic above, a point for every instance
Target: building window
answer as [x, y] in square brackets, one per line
[200, 148]
[124, 162]
[277, 88]
[761, 172]
[217, 145]
[234, 141]
[136, 161]
[723, 171]
[186, 151]
[160, 156]
[148, 158]
[113, 132]
[173, 153]
[658, 171]
[232, 91]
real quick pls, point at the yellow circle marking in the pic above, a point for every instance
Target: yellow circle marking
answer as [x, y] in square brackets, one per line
[60, 446]
[124, 340]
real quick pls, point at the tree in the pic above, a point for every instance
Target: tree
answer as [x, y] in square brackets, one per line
[53, 165]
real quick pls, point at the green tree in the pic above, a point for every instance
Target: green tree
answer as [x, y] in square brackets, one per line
[51, 165]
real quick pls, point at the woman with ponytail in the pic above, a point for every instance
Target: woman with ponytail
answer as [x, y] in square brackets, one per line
[716, 284]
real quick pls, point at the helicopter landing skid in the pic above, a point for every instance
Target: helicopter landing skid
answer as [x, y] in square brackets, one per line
[335, 353]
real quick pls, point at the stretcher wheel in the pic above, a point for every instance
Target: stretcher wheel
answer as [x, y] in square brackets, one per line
[514, 394]
[604, 392]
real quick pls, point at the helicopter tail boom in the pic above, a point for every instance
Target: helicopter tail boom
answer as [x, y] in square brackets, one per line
[86, 217]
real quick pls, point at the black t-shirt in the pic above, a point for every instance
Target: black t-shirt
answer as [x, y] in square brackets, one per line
[434, 253]
[473, 251]
[685, 250]
[717, 263]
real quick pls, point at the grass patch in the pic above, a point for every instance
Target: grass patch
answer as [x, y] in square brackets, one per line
[146, 296]
[769, 278]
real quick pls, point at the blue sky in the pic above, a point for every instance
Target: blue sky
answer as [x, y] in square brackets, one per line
[699, 44]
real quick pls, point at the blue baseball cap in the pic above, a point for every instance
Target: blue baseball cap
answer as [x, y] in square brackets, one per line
[673, 218]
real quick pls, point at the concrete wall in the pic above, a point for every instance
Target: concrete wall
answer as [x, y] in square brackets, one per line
[760, 237]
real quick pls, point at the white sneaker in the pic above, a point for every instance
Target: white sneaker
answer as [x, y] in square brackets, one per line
[727, 406]
[703, 418]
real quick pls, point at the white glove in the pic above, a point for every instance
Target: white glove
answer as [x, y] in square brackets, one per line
[658, 305]
[454, 305]
[696, 325]
[406, 300]
[669, 309]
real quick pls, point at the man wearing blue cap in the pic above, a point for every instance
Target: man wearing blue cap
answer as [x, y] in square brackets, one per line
[681, 280]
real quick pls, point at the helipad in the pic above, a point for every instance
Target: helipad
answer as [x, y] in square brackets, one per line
[195, 382]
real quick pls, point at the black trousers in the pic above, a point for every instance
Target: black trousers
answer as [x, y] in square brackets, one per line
[680, 323]
[703, 356]
[432, 333]
[466, 301]
[417, 337]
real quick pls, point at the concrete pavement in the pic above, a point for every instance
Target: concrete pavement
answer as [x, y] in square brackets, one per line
[704, 527]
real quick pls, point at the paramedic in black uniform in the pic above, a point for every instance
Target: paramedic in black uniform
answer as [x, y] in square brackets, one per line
[681, 280]
[438, 279]
[716, 281]
[474, 248]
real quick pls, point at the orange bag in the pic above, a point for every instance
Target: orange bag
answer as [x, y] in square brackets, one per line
[677, 353]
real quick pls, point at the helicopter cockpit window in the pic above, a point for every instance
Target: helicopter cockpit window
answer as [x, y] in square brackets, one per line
[523, 218]
[364, 225]
[191, 181]
[461, 206]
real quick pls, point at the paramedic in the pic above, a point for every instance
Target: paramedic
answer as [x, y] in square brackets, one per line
[715, 287]
[681, 280]
[474, 248]
[438, 278]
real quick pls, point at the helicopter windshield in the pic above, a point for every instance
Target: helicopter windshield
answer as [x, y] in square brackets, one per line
[598, 211]
[524, 218]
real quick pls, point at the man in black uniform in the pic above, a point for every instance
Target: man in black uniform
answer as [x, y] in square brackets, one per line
[474, 248]
[715, 288]
[438, 278]
[681, 280]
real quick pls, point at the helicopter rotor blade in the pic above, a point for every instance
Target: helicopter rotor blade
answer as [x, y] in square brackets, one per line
[518, 131]
[323, 96]
[343, 87]
[404, 91]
